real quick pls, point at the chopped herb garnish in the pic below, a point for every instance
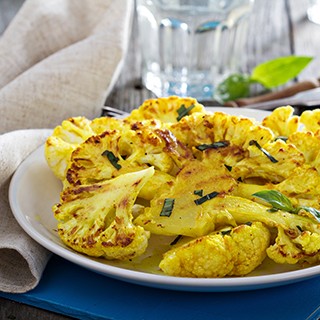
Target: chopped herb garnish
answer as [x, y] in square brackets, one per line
[167, 207]
[215, 145]
[112, 158]
[281, 138]
[183, 111]
[176, 239]
[229, 168]
[206, 198]
[225, 232]
[198, 192]
[270, 157]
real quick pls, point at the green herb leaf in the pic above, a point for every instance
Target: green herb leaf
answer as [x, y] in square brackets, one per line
[270, 157]
[269, 74]
[183, 111]
[313, 211]
[176, 240]
[215, 145]
[276, 199]
[281, 202]
[198, 192]
[167, 207]
[234, 87]
[278, 71]
[285, 139]
[112, 158]
[225, 232]
[205, 198]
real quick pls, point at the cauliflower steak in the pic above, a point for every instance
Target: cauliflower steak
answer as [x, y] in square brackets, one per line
[97, 219]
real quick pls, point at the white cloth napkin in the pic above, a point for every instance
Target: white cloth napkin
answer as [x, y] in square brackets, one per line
[58, 58]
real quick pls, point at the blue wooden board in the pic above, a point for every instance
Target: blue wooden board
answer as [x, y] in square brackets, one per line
[74, 291]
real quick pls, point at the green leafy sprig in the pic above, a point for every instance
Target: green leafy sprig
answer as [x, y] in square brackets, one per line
[279, 201]
[270, 74]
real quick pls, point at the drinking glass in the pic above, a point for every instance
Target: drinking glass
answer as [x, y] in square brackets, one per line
[189, 46]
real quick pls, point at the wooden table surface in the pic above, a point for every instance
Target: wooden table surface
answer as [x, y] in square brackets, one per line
[277, 28]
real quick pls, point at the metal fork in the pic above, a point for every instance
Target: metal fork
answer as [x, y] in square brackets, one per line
[113, 112]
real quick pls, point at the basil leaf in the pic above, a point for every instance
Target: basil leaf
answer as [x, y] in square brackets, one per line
[276, 199]
[281, 202]
[278, 71]
[313, 211]
[234, 87]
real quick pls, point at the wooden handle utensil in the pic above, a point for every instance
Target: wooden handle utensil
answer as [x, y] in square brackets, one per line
[284, 93]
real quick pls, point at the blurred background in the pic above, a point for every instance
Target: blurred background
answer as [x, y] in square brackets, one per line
[276, 28]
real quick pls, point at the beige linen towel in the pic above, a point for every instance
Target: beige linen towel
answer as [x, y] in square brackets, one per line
[21, 259]
[58, 58]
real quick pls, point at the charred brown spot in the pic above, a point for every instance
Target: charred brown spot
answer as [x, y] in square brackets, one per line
[73, 230]
[208, 124]
[122, 240]
[123, 203]
[82, 189]
[137, 183]
[90, 241]
[118, 220]
[136, 126]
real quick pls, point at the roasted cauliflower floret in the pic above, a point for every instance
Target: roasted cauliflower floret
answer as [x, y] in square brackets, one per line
[69, 135]
[293, 230]
[219, 254]
[95, 160]
[309, 144]
[64, 139]
[97, 219]
[200, 128]
[102, 124]
[311, 120]
[274, 161]
[166, 109]
[57, 154]
[304, 183]
[299, 249]
[282, 122]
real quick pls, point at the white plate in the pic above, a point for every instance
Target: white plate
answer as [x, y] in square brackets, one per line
[34, 189]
